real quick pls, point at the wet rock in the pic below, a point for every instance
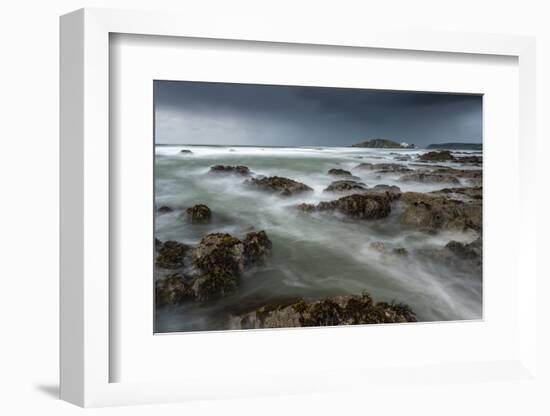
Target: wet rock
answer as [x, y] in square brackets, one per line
[220, 254]
[164, 209]
[341, 172]
[345, 186]
[433, 212]
[464, 194]
[171, 254]
[199, 214]
[186, 151]
[257, 247]
[232, 170]
[471, 250]
[428, 178]
[465, 258]
[172, 290]
[338, 310]
[400, 251]
[214, 285]
[279, 185]
[384, 167]
[391, 191]
[360, 206]
[476, 160]
[441, 156]
[305, 207]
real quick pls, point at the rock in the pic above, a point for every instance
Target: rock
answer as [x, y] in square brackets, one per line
[441, 156]
[476, 160]
[172, 290]
[428, 178]
[213, 286]
[185, 151]
[338, 310]
[279, 185]
[257, 247]
[400, 251]
[304, 207]
[360, 206]
[342, 172]
[366, 166]
[435, 212]
[222, 258]
[164, 209]
[199, 214]
[384, 167]
[391, 191]
[464, 194]
[464, 258]
[171, 254]
[158, 244]
[378, 246]
[220, 255]
[233, 170]
[345, 186]
[472, 250]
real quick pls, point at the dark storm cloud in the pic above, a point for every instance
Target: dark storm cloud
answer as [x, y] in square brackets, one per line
[216, 113]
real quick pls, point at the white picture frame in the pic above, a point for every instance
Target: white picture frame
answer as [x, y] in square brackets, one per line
[85, 212]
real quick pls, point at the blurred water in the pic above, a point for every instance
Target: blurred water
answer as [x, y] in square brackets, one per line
[313, 256]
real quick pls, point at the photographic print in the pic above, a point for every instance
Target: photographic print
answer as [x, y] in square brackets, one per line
[294, 206]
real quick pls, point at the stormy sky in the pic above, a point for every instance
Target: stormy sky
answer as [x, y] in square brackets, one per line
[267, 115]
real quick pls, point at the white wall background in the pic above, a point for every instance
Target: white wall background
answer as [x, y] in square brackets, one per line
[29, 206]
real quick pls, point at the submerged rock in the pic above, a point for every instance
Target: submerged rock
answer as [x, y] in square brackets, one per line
[199, 214]
[164, 209]
[471, 250]
[279, 185]
[441, 156]
[360, 206]
[185, 151]
[434, 212]
[171, 254]
[345, 186]
[428, 178]
[233, 170]
[305, 207]
[338, 310]
[378, 246]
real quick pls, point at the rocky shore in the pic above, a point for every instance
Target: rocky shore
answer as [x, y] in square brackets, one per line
[212, 269]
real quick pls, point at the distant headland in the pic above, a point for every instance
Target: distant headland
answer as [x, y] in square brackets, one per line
[384, 144]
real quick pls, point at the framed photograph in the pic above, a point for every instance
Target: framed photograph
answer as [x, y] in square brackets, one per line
[243, 212]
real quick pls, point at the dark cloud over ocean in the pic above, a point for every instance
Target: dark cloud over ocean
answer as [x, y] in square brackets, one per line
[268, 115]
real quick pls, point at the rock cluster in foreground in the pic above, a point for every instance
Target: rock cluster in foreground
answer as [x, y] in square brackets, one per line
[338, 310]
[218, 262]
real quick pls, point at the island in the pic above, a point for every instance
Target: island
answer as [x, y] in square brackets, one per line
[384, 144]
[456, 146]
